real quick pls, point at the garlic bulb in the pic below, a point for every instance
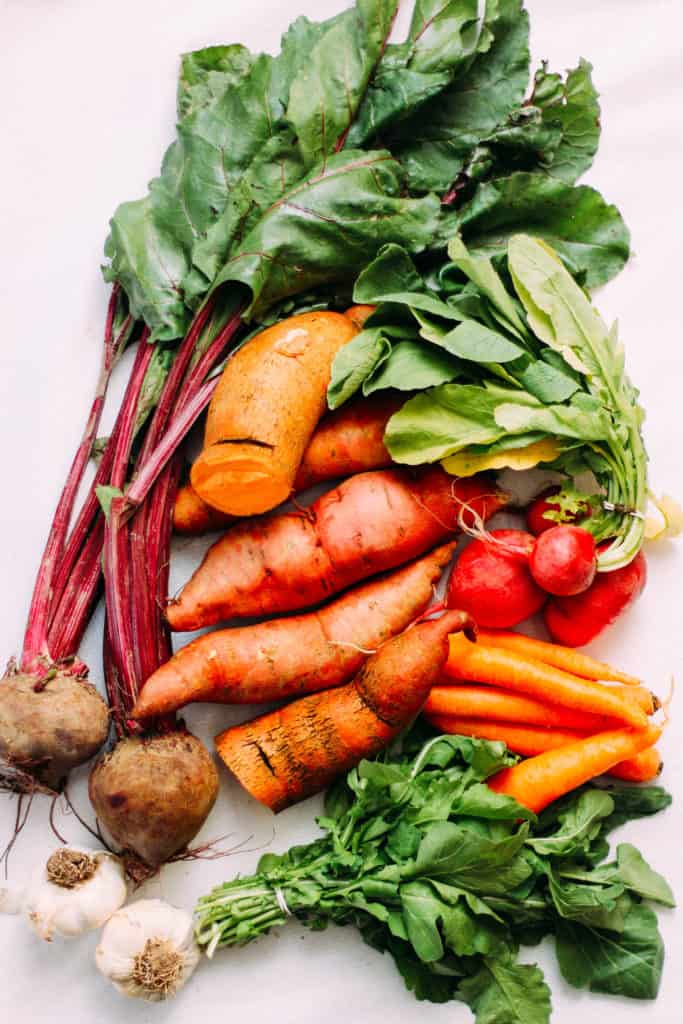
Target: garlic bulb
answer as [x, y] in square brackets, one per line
[148, 949]
[75, 891]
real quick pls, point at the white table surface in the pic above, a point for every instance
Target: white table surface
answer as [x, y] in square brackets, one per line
[88, 107]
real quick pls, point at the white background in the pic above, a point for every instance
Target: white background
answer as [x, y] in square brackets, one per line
[88, 94]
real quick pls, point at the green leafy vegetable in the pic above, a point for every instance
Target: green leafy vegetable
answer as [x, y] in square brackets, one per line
[627, 963]
[588, 234]
[445, 879]
[238, 202]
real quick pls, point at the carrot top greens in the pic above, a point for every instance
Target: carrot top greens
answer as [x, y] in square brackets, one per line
[451, 878]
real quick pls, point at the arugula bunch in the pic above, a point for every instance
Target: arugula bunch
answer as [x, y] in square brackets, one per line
[289, 172]
[511, 369]
[451, 878]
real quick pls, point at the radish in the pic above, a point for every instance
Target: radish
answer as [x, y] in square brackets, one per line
[491, 580]
[563, 560]
[575, 621]
[536, 512]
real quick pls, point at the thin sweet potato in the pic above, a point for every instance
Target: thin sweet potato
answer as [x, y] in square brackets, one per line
[370, 523]
[289, 657]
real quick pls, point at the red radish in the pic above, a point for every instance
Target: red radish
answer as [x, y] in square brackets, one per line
[564, 560]
[575, 621]
[491, 580]
[536, 513]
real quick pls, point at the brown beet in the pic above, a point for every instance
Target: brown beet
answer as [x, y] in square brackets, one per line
[154, 793]
[47, 727]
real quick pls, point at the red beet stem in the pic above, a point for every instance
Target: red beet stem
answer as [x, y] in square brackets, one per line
[138, 533]
[36, 649]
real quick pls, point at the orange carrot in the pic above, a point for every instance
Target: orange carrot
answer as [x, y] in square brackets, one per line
[264, 410]
[644, 767]
[565, 658]
[538, 781]
[527, 740]
[370, 523]
[498, 667]
[639, 695]
[492, 704]
[291, 753]
[346, 441]
[288, 657]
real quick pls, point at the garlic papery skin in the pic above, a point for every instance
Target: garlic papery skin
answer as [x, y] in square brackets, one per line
[148, 949]
[75, 891]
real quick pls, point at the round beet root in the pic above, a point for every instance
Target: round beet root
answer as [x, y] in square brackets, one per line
[575, 621]
[491, 580]
[564, 560]
[154, 793]
[48, 726]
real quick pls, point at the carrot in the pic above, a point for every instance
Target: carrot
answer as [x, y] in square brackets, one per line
[535, 783]
[528, 740]
[489, 703]
[639, 695]
[644, 767]
[370, 523]
[346, 441]
[498, 667]
[297, 750]
[289, 657]
[554, 654]
[264, 410]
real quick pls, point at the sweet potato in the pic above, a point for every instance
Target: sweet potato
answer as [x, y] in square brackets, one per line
[263, 412]
[292, 656]
[346, 441]
[289, 754]
[370, 523]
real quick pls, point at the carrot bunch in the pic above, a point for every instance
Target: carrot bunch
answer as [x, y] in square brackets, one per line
[573, 717]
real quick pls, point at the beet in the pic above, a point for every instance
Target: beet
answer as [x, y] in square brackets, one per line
[154, 793]
[49, 726]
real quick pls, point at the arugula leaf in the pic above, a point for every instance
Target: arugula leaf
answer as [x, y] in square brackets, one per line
[507, 993]
[631, 802]
[463, 858]
[326, 93]
[638, 876]
[589, 234]
[600, 906]
[627, 964]
[579, 824]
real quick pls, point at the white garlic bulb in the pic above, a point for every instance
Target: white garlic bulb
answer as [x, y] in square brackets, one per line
[75, 891]
[148, 949]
